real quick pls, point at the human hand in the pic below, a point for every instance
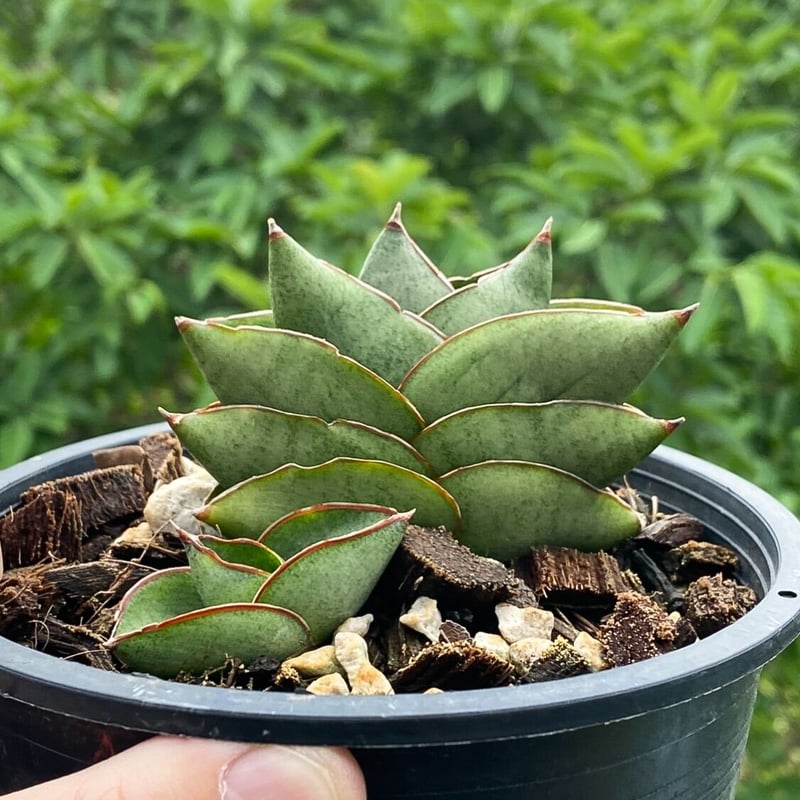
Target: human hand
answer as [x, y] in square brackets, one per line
[169, 768]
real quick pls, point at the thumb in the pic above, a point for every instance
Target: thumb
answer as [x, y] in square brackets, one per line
[169, 768]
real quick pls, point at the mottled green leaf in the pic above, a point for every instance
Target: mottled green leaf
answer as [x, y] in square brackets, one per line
[314, 297]
[543, 355]
[397, 266]
[509, 506]
[330, 580]
[599, 442]
[523, 284]
[250, 507]
[163, 629]
[237, 441]
[294, 372]
[306, 526]
[234, 577]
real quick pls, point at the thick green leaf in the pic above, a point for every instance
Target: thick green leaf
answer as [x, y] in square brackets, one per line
[397, 266]
[523, 284]
[238, 441]
[250, 507]
[162, 629]
[329, 581]
[314, 297]
[509, 506]
[294, 372]
[543, 355]
[233, 578]
[306, 526]
[599, 442]
[264, 318]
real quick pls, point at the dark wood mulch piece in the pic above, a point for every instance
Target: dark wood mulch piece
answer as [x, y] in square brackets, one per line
[103, 495]
[288, 679]
[48, 525]
[164, 456]
[656, 580]
[138, 543]
[672, 530]
[74, 642]
[24, 594]
[452, 666]
[560, 660]
[714, 602]
[694, 559]
[451, 631]
[466, 586]
[83, 589]
[566, 577]
[639, 628]
[395, 646]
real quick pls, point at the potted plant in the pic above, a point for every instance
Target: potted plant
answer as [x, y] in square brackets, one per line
[440, 402]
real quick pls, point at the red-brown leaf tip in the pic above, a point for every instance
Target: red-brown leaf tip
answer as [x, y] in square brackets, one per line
[395, 221]
[671, 424]
[544, 233]
[685, 314]
[275, 230]
[171, 417]
[182, 323]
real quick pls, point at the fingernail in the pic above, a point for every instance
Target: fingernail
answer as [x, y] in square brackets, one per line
[276, 771]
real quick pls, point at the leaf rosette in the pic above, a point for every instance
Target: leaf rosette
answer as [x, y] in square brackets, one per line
[484, 405]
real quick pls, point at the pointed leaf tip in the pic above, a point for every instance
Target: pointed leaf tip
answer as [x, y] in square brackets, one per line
[172, 418]
[396, 221]
[683, 315]
[672, 424]
[182, 323]
[544, 233]
[275, 230]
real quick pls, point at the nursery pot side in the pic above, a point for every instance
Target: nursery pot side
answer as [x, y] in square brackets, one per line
[670, 727]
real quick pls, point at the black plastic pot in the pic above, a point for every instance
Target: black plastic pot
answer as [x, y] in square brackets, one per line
[671, 727]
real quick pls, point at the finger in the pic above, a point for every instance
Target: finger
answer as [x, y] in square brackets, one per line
[169, 768]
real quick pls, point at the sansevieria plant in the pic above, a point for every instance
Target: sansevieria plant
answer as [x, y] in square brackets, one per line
[357, 404]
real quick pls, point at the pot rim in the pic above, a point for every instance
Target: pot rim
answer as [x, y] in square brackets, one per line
[142, 702]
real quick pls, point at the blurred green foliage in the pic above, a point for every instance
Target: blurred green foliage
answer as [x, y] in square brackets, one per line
[143, 145]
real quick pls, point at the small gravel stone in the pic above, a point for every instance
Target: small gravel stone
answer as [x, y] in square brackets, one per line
[523, 623]
[493, 642]
[524, 653]
[333, 683]
[365, 679]
[315, 663]
[424, 617]
[174, 503]
[591, 650]
[359, 625]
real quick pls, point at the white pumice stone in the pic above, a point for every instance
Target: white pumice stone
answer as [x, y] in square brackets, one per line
[333, 683]
[424, 617]
[174, 503]
[192, 467]
[592, 651]
[523, 623]
[434, 690]
[524, 652]
[314, 663]
[493, 642]
[351, 653]
[359, 625]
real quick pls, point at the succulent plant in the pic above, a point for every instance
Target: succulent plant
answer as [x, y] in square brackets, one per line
[357, 404]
